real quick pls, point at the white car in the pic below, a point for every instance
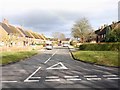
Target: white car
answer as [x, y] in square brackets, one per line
[65, 44]
[49, 46]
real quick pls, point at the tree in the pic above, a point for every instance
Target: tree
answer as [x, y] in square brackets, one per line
[58, 35]
[61, 36]
[81, 29]
[114, 34]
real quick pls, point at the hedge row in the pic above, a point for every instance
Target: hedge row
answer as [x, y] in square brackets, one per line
[100, 47]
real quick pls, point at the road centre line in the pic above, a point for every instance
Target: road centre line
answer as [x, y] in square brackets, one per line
[50, 57]
[47, 60]
[9, 81]
[27, 80]
[54, 53]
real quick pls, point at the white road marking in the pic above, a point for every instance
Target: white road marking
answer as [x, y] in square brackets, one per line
[74, 79]
[54, 66]
[90, 76]
[35, 77]
[71, 76]
[110, 75]
[113, 78]
[47, 60]
[93, 78]
[52, 80]
[52, 77]
[9, 81]
[27, 80]
[50, 57]
[55, 53]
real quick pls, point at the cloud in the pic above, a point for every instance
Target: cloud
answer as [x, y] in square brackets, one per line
[47, 16]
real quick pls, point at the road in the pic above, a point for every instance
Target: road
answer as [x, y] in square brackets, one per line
[56, 69]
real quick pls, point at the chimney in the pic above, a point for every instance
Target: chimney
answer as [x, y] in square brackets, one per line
[5, 21]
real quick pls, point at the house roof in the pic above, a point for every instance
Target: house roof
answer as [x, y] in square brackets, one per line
[40, 36]
[29, 34]
[2, 30]
[16, 31]
[110, 27]
[44, 38]
[22, 31]
[6, 28]
[11, 29]
[2, 33]
[35, 35]
[117, 25]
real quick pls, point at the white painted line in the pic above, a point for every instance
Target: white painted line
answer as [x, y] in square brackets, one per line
[54, 53]
[93, 78]
[54, 66]
[71, 76]
[8, 81]
[31, 80]
[90, 76]
[74, 79]
[52, 77]
[27, 80]
[110, 75]
[52, 80]
[113, 78]
[47, 60]
[50, 57]
[35, 77]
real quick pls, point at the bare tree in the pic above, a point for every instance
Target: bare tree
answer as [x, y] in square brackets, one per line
[61, 36]
[58, 35]
[81, 29]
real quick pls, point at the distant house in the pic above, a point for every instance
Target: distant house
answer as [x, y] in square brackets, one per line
[39, 38]
[101, 34]
[3, 36]
[14, 34]
[17, 36]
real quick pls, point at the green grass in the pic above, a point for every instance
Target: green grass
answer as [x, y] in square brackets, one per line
[108, 58]
[9, 57]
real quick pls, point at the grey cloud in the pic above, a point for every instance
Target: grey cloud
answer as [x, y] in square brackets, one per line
[47, 22]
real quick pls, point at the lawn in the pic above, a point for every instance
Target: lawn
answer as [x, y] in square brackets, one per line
[108, 58]
[10, 57]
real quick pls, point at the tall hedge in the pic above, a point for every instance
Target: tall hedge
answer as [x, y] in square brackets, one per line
[100, 47]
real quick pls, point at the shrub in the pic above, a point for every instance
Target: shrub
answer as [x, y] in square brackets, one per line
[100, 47]
[73, 43]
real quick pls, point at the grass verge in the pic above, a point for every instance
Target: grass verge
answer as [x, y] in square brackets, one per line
[107, 58]
[11, 57]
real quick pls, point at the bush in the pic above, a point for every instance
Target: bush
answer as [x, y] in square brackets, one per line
[100, 47]
[73, 43]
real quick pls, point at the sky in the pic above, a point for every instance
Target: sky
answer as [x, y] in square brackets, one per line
[48, 16]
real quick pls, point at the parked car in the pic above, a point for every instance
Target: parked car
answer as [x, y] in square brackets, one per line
[49, 46]
[65, 44]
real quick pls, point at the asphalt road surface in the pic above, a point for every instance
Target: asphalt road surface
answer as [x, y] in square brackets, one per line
[56, 69]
